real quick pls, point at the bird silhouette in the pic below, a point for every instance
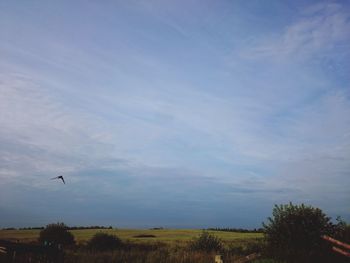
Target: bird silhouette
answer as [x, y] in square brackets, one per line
[59, 177]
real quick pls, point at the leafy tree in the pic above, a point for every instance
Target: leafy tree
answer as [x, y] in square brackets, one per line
[206, 242]
[104, 242]
[56, 234]
[293, 233]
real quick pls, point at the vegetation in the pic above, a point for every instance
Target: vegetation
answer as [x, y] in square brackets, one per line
[104, 242]
[167, 246]
[145, 236]
[237, 230]
[293, 234]
[68, 227]
[89, 227]
[250, 247]
[168, 236]
[342, 231]
[56, 234]
[206, 242]
[158, 254]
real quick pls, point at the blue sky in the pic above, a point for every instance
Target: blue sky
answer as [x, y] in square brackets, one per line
[172, 113]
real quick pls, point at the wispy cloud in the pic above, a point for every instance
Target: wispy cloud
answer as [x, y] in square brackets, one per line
[146, 110]
[319, 30]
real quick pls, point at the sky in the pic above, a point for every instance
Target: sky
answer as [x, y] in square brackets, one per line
[179, 114]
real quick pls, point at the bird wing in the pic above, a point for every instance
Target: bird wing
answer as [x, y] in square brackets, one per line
[55, 177]
[63, 180]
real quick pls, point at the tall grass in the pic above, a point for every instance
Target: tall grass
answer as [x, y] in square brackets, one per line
[157, 252]
[153, 250]
[136, 255]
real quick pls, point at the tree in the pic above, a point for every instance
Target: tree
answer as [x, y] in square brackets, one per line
[104, 242]
[293, 233]
[56, 234]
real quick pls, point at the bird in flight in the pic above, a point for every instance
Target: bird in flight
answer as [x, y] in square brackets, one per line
[59, 177]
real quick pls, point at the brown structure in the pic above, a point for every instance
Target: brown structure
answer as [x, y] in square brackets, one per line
[339, 244]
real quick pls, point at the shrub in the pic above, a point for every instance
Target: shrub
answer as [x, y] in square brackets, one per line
[256, 246]
[246, 248]
[144, 236]
[104, 242]
[236, 250]
[342, 231]
[293, 233]
[206, 242]
[56, 234]
[345, 234]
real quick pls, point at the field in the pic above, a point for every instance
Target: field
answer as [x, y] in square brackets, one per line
[163, 245]
[169, 236]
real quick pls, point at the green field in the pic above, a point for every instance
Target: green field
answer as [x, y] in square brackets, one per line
[167, 245]
[162, 235]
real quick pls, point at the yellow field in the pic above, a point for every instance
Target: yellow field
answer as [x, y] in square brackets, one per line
[163, 235]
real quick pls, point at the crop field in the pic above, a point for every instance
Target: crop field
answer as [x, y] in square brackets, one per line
[146, 245]
[136, 235]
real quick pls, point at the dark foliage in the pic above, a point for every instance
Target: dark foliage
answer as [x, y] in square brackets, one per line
[89, 227]
[55, 234]
[68, 228]
[144, 236]
[342, 231]
[293, 234]
[104, 242]
[257, 246]
[247, 248]
[32, 228]
[144, 253]
[144, 246]
[206, 242]
[236, 230]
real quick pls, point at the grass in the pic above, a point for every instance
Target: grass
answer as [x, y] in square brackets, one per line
[167, 245]
[169, 236]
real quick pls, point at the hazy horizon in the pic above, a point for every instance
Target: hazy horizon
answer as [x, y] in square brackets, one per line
[186, 114]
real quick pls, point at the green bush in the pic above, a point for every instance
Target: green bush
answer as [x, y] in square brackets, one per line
[56, 234]
[293, 233]
[104, 242]
[206, 242]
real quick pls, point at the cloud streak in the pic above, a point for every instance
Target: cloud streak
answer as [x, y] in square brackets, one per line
[319, 31]
[134, 126]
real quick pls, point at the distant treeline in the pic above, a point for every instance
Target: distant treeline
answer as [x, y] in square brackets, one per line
[238, 230]
[89, 227]
[69, 228]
